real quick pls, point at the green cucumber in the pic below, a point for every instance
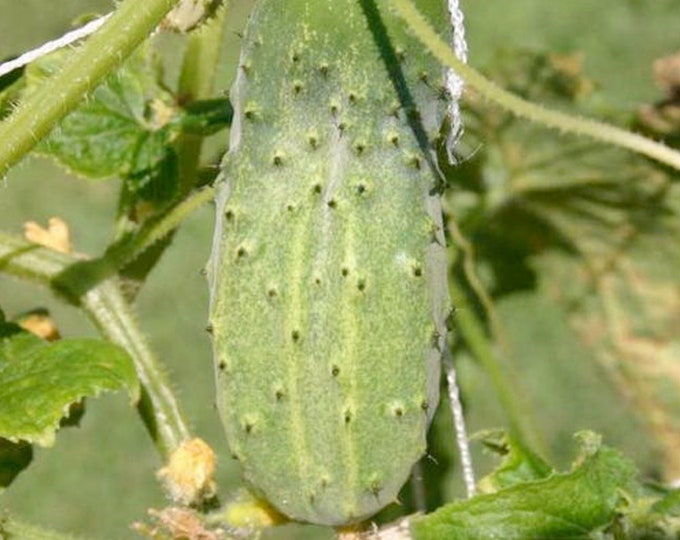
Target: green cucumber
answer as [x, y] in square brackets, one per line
[328, 270]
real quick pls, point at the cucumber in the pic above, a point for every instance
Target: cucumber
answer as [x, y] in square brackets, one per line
[328, 270]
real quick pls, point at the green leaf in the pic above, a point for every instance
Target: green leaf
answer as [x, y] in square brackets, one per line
[577, 244]
[39, 381]
[569, 505]
[627, 317]
[14, 458]
[669, 504]
[123, 129]
[519, 463]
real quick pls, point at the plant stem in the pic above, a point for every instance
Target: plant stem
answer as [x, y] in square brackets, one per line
[122, 253]
[196, 82]
[553, 119]
[80, 283]
[132, 22]
[158, 406]
[472, 331]
[197, 76]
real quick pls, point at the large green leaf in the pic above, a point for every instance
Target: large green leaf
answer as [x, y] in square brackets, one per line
[39, 381]
[627, 315]
[128, 126]
[578, 245]
[568, 505]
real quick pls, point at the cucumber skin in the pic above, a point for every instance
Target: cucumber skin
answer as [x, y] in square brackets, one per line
[328, 269]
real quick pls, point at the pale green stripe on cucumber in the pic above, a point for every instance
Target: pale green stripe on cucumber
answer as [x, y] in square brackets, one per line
[328, 271]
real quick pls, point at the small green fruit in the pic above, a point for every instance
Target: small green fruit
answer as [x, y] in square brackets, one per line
[328, 271]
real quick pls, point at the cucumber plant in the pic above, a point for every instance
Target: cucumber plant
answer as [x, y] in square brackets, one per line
[328, 276]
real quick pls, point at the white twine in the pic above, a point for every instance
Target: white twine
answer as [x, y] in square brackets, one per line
[459, 427]
[454, 84]
[53, 45]
[454, 87]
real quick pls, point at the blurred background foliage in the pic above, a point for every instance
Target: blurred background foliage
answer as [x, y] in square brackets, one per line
[575, 244]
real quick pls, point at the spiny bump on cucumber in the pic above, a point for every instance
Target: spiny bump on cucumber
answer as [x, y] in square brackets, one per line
[328, 270]
[313, 141]
[250, 111]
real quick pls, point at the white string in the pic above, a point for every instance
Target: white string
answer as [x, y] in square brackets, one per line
[454, 87]
[454, 84]
[53, 45]
[459, 426]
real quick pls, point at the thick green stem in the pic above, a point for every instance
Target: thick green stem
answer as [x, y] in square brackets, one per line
[80, 283]
[196, 82]
[201, 57]
[132, 22]
[510, 102]
[111, 313]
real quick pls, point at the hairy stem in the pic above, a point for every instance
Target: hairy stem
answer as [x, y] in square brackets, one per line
[127, 250]
[81, 284]
[132, 22]
[510, 102]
